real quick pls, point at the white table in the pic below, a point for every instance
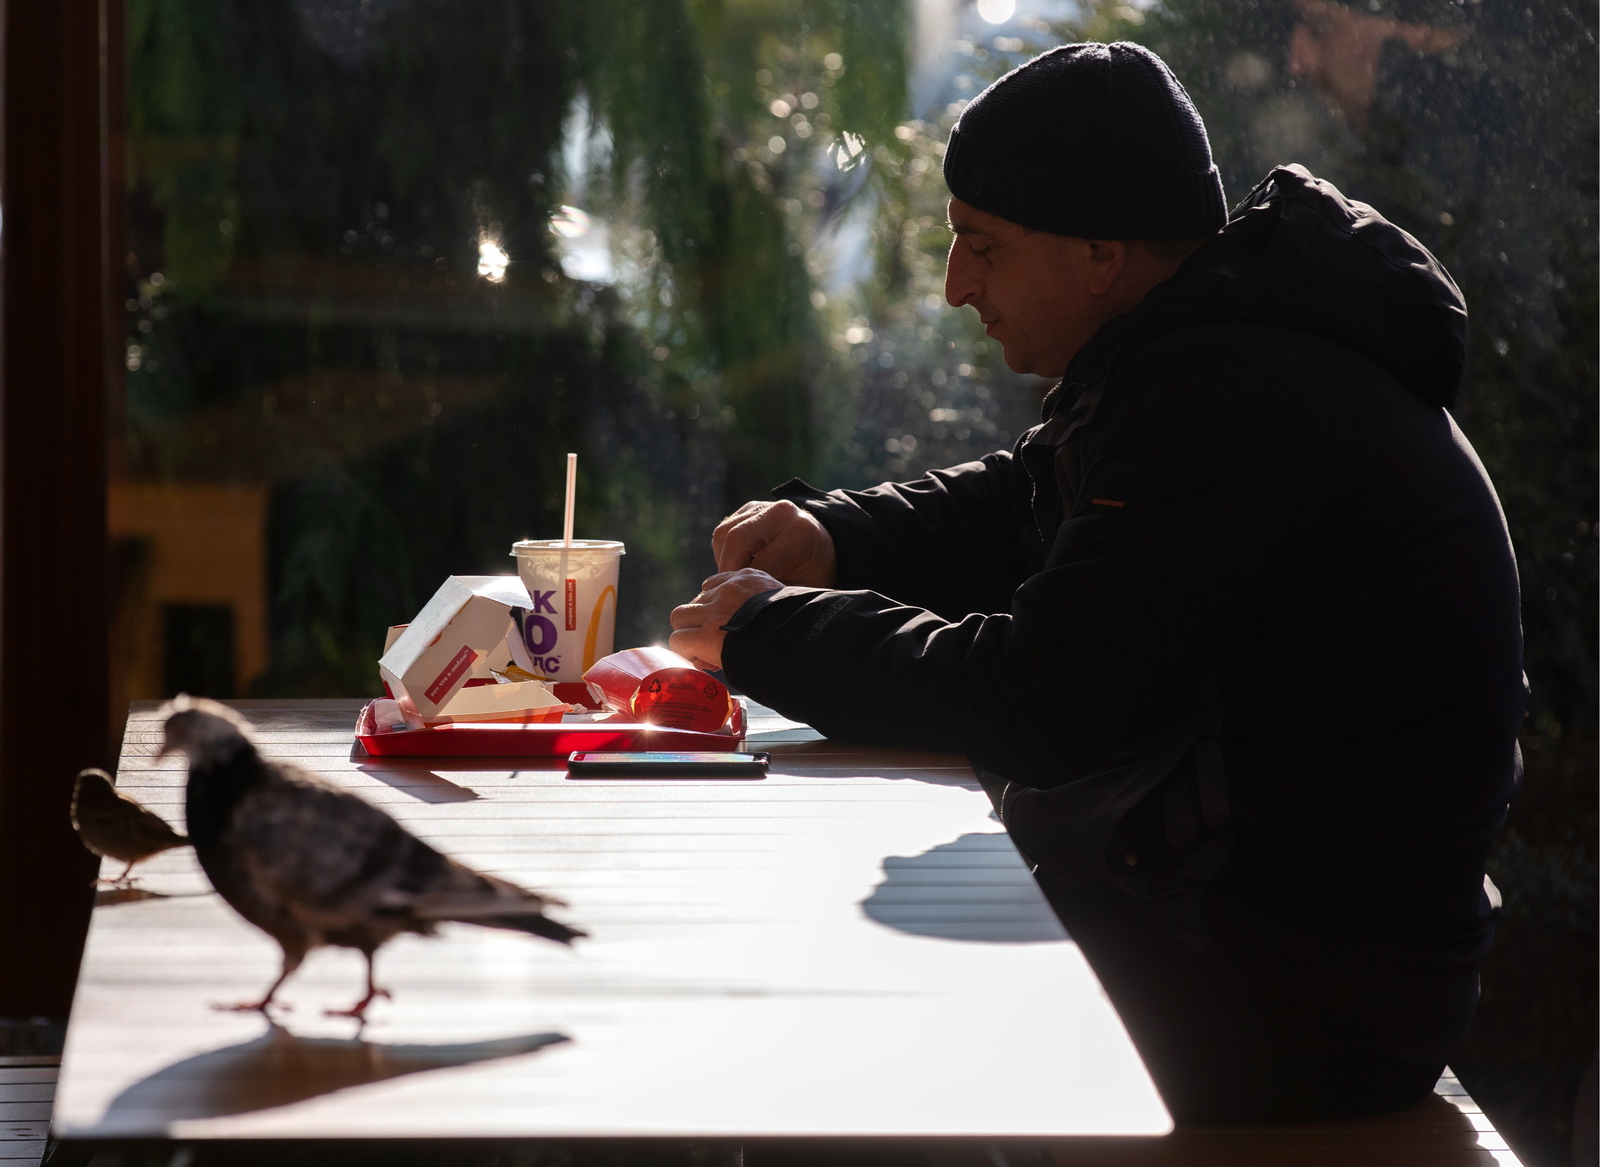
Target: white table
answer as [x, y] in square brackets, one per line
[848, 947]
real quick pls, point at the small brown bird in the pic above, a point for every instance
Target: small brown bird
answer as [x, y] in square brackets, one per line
[313, 865]
[114, 826]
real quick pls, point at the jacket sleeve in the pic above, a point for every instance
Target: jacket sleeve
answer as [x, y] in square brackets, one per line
[1195, 496]
[953, 541]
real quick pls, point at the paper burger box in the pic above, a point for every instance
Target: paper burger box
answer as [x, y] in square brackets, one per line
[449, 643]
[482, 672]
[517, 701]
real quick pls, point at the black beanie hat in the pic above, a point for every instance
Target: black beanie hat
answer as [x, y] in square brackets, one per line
[1095, 141]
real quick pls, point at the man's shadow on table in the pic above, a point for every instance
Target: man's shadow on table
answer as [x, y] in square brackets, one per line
[975, 889]
[278, 1068]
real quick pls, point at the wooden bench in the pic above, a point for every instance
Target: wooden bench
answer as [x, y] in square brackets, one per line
[27, 1087]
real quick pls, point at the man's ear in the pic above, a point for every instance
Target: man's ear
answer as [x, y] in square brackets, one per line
[1107, 258]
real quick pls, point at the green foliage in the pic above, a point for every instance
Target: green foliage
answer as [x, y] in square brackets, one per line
[464, 107]
[643, 70]
[689, 99]
[872, 41]
[183, 121]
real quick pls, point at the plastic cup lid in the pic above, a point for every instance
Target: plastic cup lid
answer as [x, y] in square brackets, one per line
[580, 546]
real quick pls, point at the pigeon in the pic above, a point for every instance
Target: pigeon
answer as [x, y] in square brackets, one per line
[115, 826]
[313, 865]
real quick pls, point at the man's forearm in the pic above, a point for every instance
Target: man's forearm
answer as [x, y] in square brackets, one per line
[861, 667]
[947, 542]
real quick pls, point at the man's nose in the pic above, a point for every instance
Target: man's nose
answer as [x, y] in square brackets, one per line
[960, 277]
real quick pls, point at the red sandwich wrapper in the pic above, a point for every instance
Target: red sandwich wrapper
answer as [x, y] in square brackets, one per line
[659, 687]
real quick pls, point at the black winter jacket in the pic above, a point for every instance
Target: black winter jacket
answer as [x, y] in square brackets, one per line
[1235, 629]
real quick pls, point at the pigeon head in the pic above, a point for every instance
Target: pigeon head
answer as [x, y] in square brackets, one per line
[204, 730]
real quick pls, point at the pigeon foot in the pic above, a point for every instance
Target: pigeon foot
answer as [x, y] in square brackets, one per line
[359, 1009]
[123, 880]
[252, 1007]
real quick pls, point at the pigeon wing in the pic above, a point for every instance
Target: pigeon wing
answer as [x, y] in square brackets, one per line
[329, 858]
[346, 868]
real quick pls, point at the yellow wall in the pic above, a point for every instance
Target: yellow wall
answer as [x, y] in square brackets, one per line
[202, 544]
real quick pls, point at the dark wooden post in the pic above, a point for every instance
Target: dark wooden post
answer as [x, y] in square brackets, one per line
[60, 197]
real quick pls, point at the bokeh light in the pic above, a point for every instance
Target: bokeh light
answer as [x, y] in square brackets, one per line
[569, 222]
[492, 260]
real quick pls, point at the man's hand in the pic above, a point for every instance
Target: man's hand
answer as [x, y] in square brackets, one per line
[778, 538]
[699, 623]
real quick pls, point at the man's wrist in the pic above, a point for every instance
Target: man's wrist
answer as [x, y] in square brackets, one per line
[752, 607]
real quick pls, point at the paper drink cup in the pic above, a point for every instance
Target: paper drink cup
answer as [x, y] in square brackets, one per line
[659, 686]
[573, 621]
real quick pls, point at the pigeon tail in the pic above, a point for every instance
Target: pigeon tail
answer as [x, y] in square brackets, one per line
[527, 922]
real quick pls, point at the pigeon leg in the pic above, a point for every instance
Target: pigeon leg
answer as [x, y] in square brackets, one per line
[290, 963]
[120, 881]
[359, 1009]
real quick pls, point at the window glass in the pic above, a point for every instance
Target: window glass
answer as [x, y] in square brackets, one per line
[389, 260]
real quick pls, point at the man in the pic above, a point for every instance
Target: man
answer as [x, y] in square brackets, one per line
[1231, 638]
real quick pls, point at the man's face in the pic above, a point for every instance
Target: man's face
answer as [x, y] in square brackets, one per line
[1030, 288]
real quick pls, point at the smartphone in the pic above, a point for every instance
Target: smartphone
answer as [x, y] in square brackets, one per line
[663, 764]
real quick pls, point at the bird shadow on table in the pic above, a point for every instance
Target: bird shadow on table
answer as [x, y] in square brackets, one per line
[420, 783]
[974, 889]
[278, 1068]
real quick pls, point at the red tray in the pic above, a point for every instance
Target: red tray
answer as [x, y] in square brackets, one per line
[534, 740]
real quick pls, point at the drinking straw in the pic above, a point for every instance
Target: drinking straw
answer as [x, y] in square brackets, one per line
[572, 498]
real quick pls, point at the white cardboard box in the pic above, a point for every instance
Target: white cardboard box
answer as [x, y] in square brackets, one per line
[448, 643]
[502, 702]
